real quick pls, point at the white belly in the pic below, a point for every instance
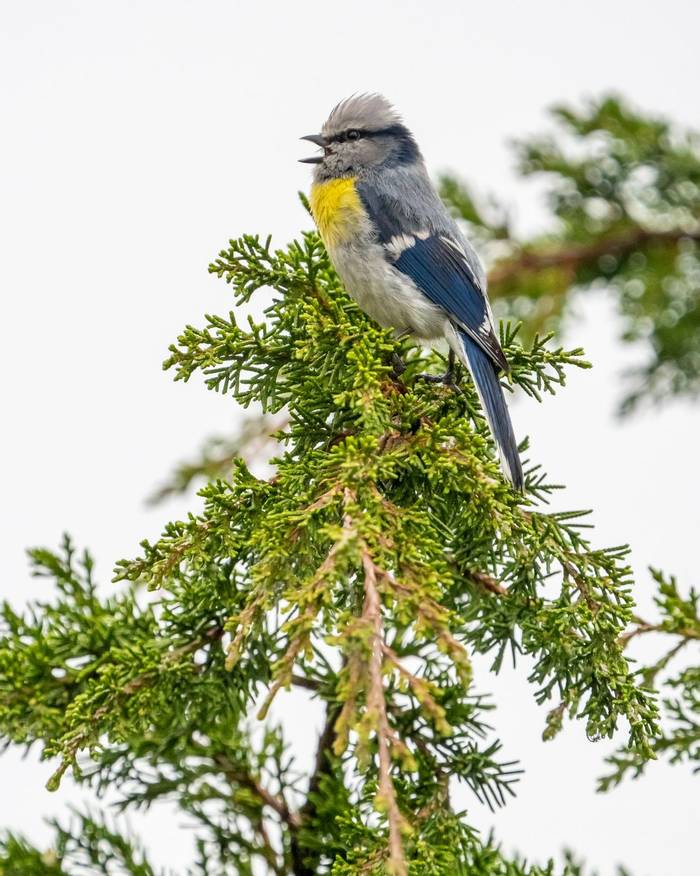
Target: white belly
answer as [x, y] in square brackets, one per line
[384, 293]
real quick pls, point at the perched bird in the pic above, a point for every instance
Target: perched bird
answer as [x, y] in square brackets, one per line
[400, 254]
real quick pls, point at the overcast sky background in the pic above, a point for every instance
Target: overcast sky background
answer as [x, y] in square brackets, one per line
[137, 137]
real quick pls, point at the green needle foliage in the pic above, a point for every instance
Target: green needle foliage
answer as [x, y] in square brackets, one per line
[624, 191]
[679, 740]
[85, 846]
[384, 550]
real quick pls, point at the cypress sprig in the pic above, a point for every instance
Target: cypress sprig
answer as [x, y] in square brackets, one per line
[383, 551]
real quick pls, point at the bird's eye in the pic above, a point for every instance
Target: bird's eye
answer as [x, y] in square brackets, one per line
[353, 135]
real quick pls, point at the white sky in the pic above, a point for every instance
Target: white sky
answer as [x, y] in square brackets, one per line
[139, 136]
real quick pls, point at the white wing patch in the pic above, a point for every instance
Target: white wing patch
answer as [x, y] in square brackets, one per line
[401, 242]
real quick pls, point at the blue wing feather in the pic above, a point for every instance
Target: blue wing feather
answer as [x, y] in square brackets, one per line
[442, 273]
[437, 264]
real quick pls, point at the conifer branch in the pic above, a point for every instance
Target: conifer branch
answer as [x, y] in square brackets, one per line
[643, 627]
[276, 803]
[488, 582]
[80, 738]
[376, 705]
[384, 551]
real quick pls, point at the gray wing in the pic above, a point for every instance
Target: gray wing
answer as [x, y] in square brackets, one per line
[423, 243]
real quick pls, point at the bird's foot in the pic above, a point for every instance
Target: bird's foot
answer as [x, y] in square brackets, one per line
[448, 378]
[399, 366]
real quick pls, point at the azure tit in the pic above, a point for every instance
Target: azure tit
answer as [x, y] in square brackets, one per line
[400, 254]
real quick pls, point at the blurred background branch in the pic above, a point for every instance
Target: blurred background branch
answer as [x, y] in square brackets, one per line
[623, 190]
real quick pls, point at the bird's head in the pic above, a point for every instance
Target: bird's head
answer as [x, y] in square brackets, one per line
[362, 132]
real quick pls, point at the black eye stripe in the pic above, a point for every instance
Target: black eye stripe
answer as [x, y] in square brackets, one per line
[345, 135]
[391, 130]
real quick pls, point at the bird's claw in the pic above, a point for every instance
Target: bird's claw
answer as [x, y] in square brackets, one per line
[398, 364]
[448, 378]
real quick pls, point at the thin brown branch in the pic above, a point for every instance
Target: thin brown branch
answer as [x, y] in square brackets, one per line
[643, 627]
[574, 256]
[376, 704]
[323, 759]
[238, 776]
[306, 683]
[291, 819]
[581, 585]
[488, 583]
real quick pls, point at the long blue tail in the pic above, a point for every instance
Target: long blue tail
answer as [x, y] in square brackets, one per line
[490, 392]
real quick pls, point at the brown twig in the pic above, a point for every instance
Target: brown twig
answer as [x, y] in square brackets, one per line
[376, 703]
[278, 804]
[643, 626]
[581, 585]
[267, 798]
[575, 255]
[307, 683]
[323, 762]
[488, 583]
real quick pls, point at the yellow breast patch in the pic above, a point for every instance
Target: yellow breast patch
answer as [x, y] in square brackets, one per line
[337, 209]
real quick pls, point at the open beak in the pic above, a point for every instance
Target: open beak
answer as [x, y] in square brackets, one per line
[317, 140]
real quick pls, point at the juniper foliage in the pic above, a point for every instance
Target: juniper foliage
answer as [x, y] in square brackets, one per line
[384, 550]
[87, 845]
[677, 680]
